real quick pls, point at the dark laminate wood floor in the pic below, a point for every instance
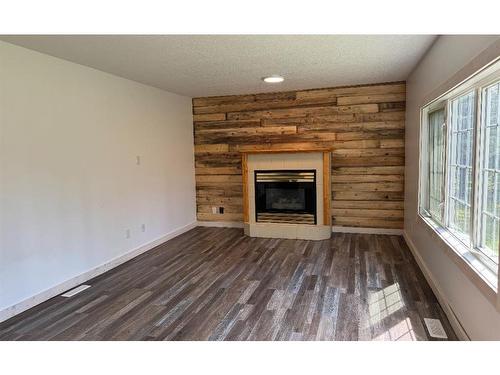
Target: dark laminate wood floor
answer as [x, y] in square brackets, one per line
[217, 284]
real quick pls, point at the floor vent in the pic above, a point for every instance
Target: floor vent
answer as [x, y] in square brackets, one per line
[435, 328]
[77, 290]
[287, 218]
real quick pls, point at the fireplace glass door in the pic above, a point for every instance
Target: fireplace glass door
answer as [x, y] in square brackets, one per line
[285, 196]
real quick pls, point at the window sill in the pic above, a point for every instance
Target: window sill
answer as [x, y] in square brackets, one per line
[482, 277]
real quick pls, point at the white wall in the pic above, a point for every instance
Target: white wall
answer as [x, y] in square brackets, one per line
[450, 60]
[70, 185]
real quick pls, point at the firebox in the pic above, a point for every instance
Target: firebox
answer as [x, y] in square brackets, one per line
[285, 196]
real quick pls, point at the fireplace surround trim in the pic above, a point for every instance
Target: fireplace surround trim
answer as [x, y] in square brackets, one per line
[317, 160]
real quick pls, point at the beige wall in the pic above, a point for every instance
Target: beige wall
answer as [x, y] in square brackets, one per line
[70, 185]
[450, 60]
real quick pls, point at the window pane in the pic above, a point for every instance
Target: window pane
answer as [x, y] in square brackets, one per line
[460, 165]
[436, 164]
[490, 176]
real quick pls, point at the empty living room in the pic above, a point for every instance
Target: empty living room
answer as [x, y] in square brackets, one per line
[299, 193]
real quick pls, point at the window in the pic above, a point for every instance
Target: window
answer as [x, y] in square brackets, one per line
[460, 166]
[490, 168]
[436, 164]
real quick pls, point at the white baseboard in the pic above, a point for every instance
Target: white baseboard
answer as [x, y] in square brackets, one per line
[96, 271]
[455, 323]
[339, 229]
[221, 224]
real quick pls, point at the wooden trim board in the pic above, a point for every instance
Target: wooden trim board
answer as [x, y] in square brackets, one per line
[286, 150]
[327, 192]
[244, 171]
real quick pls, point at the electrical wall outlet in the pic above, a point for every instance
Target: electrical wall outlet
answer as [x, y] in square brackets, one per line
[138, 160]
[143, 227]
[217, 210]
[127, 233]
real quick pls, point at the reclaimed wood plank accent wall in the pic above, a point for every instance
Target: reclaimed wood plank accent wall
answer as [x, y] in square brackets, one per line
[363, 126]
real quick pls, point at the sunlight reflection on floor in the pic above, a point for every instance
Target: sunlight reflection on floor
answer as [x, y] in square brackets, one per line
[402, 331]
[385, 302]
[382, 304]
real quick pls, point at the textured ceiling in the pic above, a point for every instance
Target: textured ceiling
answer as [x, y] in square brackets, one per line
[207, 65]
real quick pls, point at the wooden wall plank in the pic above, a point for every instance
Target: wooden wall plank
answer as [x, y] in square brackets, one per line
[368, 186]
[368, 195]
[373, 98]
[342, 127]
[363, 212]
[375, 205]
[226, 124]
[359, 153]
[302, 112]
[237, 107]
[369, 170]
[355, 178]
[211, 148]
[396, 135]
[218, 170]
[381, 116]
[368, 161]
[221, 201]
[229, 132]
[228, 208]
[227, 179]
[367, 222]
[202, 216]
[353, 90]
[210, 117]
[363, 126]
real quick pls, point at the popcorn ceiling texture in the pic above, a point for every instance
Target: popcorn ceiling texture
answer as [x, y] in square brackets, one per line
[208, 65]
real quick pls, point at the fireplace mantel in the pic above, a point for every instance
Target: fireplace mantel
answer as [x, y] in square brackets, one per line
[321, 163]
[267, 149]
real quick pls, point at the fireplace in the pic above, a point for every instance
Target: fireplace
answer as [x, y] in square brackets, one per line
[285, 196]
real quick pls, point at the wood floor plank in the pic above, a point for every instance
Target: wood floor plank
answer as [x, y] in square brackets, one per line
[217, 284]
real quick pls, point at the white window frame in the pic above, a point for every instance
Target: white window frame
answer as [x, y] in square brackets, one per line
[438, 107]
[470, 252]
[481, 138]
[448, 176]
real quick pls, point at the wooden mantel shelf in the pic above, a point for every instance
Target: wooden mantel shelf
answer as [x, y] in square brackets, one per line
[284, 150]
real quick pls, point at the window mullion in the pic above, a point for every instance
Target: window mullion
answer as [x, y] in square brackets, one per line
[477, 181]
[448, 151]
[484, 174]
[444, 132]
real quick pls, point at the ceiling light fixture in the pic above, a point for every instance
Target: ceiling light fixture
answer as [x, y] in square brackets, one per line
[273, 79]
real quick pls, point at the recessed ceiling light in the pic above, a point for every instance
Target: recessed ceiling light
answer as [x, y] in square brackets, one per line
[273, 79]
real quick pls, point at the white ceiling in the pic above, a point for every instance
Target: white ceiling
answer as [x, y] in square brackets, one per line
[207, 65]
